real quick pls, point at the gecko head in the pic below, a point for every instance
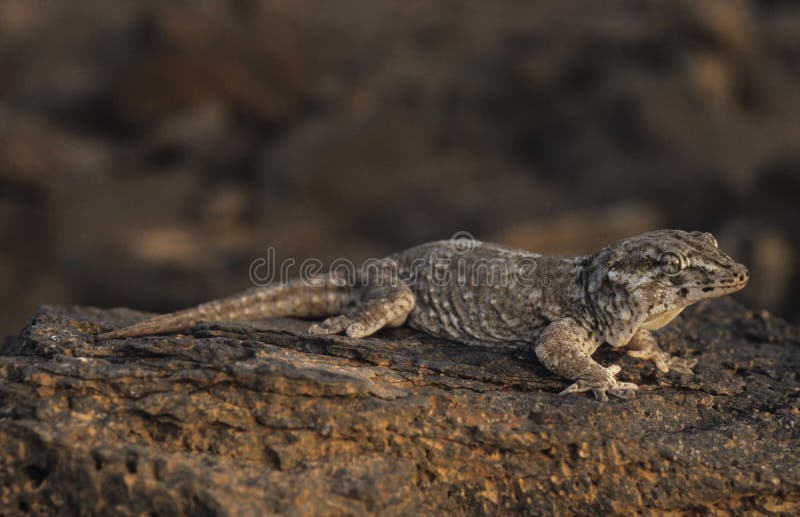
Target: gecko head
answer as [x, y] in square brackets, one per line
[666, 270]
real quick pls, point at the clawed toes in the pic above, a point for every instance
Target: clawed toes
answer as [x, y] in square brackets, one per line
[682, 366]
[337, 325]
[577, 387]
[676, 364]
[665, 362]
[624, 390]
[357, 330]
[602, 388]
[330, 326]
[318, 330]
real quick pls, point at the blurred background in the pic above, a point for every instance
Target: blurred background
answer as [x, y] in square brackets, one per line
[150, 150]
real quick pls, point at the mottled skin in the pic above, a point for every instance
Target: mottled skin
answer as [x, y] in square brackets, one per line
[475, 292]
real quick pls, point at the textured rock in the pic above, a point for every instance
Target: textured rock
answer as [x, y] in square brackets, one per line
[243, 420]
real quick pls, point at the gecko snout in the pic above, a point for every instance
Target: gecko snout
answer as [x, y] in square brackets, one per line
[741, 274]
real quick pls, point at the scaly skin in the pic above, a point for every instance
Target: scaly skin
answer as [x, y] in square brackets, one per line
[475, 292]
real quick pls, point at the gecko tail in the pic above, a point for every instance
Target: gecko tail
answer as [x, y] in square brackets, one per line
[323, 296]
[163, 323]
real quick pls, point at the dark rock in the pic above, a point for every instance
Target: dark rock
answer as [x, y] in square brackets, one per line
[260, 418]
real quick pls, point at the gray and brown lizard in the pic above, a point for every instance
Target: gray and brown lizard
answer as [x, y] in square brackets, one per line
[475, 292]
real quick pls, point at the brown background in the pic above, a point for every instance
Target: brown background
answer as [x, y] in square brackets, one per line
[149, 152]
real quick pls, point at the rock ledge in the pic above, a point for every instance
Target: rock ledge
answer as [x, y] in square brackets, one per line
[255, 419]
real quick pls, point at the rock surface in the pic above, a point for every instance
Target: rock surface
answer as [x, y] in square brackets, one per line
[255, 419]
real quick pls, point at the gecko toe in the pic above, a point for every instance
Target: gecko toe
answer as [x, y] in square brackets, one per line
[600, 394]
[681, 365]
[357, 330]
[333, 325]
[624, 390]
[576, 387]
[602, 387]
[661, 365]
[317, 330]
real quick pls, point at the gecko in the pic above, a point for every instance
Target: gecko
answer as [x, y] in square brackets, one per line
[475, 292]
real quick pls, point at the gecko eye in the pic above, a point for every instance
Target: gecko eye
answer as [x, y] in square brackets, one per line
[670, 263]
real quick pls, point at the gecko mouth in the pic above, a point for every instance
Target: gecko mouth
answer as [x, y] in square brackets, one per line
[724, 287]
[731, 284]
[714, 290]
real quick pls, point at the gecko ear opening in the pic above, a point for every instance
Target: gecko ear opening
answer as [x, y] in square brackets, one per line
[601, 269]
[596, 277]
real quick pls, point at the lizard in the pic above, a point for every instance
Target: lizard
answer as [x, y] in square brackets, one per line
[474, 292]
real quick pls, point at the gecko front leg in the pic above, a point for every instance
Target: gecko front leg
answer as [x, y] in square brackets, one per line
[643, 345]
[565, 348]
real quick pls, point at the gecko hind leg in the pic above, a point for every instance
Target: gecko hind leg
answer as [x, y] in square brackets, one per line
[381, 307]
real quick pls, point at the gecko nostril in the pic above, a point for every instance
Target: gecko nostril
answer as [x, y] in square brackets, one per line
[743, 275]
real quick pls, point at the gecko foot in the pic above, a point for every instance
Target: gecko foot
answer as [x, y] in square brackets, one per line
[338, 324]
[607, 385]
[665, 362]
[333, 325]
